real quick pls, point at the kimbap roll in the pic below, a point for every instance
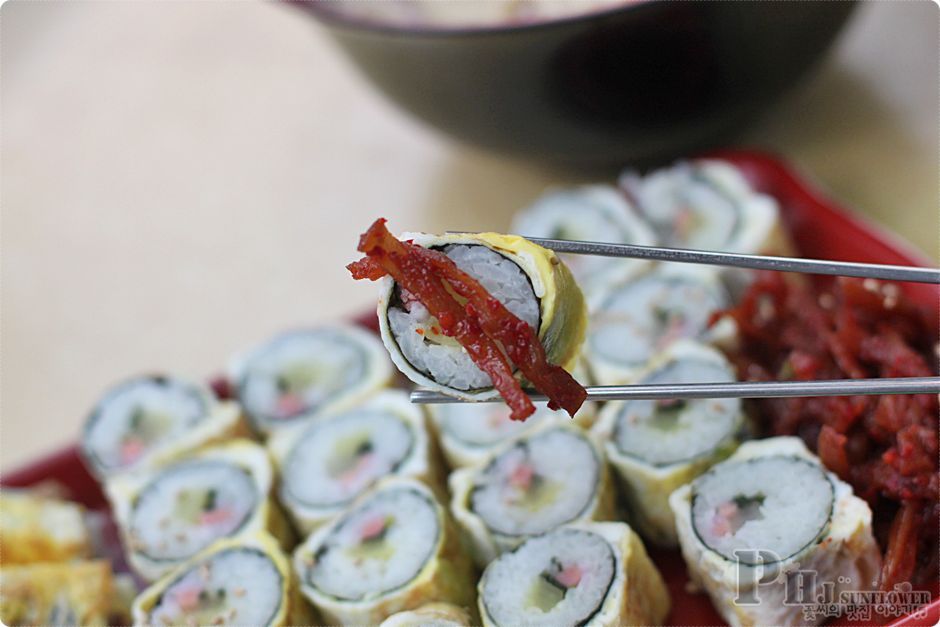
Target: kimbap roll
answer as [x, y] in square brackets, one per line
[592, 574]
[148, 420]
[708, 205]
[469, 432]
[395, 549]
[36, 528]
[168, 516]
[236, 581]
[326, 464]
[552, 476]
[431, 615]
[768, 519]
[592, 213]
[633, 321]
[300, 374]
[469, 314]
[656, 446]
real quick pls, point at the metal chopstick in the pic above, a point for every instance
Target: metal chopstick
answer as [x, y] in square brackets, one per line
[754, 262]
[748, 389]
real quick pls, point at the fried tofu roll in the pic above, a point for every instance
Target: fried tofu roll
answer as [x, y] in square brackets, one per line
[632, 322]
[592, 213]
[148, 420]
[170, 515]
[300, 374]
[75, 593]
[36, 528]
[331, 461]
[592, 574]
[553, 476]
[530, 281]
[657, 446]
[236, 581]
[757, 523]
[395, 549]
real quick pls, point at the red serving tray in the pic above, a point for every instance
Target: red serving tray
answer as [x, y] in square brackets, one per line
[819, 227]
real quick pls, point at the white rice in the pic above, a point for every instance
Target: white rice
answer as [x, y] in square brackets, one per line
[789, 504]
[165, 523]
[663, 435]
[566, 472]
[348, 568]
[442, 359]
[240, 586]
[164, 409]
[340, 456]
[511, 584]
[643, 317]
[312, 365]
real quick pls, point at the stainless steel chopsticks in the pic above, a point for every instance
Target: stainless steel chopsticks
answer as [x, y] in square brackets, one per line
[753, 262]
[749, 389]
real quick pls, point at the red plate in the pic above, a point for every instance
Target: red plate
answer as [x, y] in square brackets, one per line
[819, 227]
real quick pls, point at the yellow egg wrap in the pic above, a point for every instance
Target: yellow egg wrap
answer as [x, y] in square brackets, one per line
[292, 609]
[562, 309]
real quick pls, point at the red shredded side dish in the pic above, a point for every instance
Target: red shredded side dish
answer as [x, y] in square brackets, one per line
[490, 333]
[886, 447]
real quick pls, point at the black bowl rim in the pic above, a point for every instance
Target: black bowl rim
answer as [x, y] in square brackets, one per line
[320, 8]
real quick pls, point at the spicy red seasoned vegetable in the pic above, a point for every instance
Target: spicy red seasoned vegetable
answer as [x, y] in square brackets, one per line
[886, 447]
[494, 338]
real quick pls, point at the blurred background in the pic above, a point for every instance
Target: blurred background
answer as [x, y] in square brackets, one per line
[181, 180]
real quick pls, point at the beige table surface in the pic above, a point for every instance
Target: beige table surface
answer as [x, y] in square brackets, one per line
[182, 179]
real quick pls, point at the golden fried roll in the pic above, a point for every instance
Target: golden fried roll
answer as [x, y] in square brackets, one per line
[74, 593]
[36, 528]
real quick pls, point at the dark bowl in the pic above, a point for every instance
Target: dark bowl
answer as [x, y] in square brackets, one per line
[637, 83]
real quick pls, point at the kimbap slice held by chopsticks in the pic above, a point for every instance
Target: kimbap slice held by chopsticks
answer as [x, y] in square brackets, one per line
[634, 321]
[300, 374]
[148, 420]
[756, 524]
[592, 213]
[326, 464]
[657, 446]
[168, 516]
[469, 315]
[592, 574]
[553, 476]
[236, 581]
[395, 549]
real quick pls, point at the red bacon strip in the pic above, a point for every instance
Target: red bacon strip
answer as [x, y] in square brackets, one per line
[482, 325]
